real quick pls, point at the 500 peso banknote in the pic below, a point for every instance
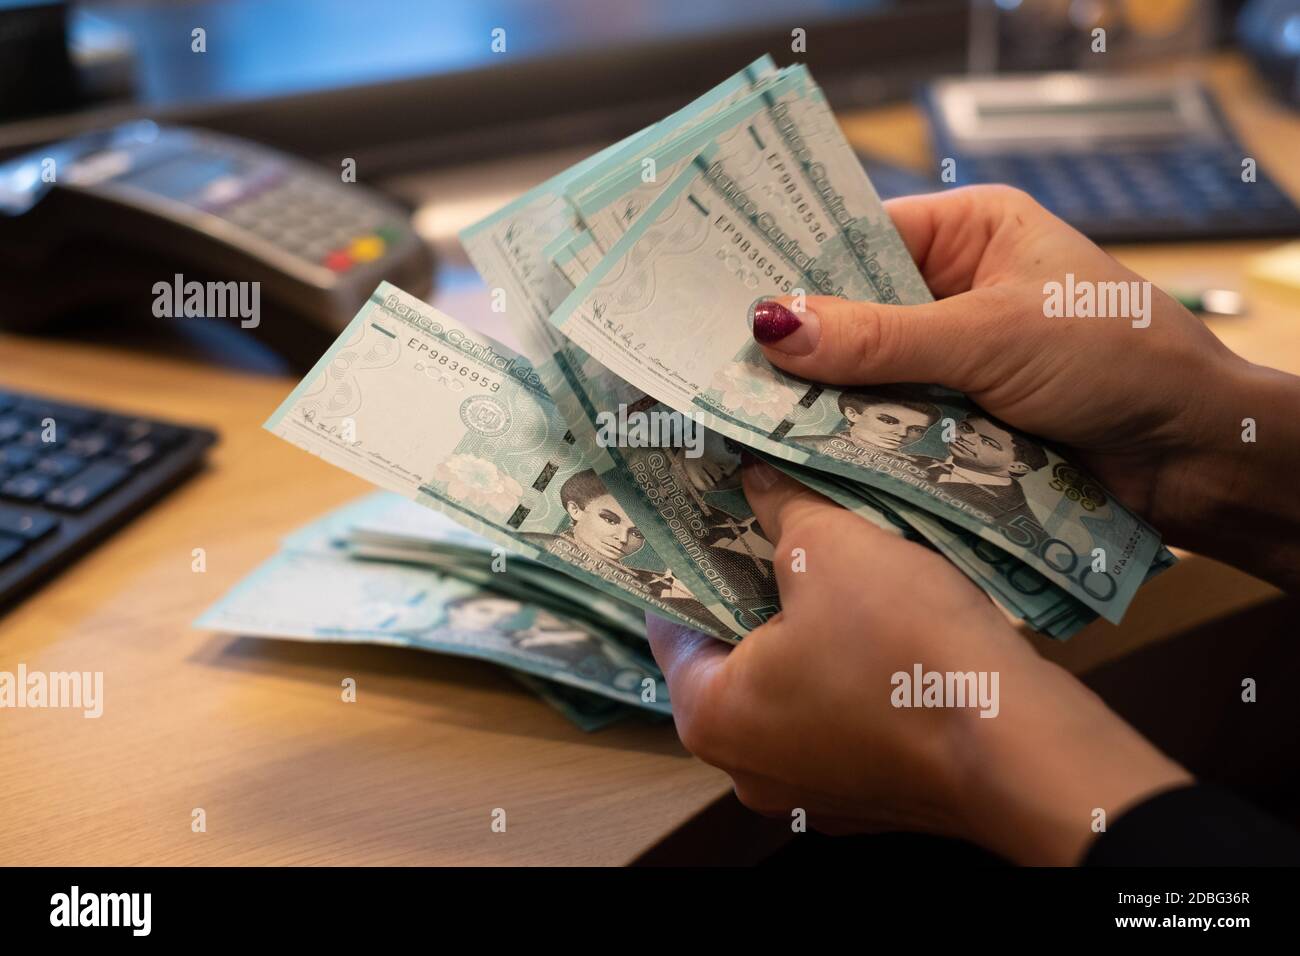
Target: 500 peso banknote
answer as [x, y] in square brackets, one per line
[420, 405]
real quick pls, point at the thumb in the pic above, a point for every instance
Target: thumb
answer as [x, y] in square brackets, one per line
[960, 342]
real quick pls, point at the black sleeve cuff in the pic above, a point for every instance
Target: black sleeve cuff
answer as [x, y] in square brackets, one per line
[1197, 825]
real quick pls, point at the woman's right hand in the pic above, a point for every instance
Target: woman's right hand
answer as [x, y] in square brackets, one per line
[1151, 402]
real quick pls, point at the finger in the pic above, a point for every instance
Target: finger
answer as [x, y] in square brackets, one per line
[778, 501]
[949, 233]
[693, 666]
[965, 342]
[689, 659]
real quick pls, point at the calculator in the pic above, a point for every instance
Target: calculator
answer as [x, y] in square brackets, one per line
[104, 218]
[1123, 159]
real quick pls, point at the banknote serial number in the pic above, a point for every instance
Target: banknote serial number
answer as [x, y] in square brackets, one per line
[801, 203]
[1127, 551]
[750, 256]
[452, 364]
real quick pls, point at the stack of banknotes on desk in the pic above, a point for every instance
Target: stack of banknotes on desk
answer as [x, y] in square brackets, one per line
[383, 570]
[627, 280]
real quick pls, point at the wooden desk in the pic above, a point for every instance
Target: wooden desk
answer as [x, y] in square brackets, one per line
[255, 732]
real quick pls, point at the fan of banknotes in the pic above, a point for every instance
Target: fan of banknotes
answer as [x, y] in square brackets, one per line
[383, 570]
[626, 280]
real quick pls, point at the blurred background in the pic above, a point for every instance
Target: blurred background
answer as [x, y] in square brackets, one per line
[449, 109]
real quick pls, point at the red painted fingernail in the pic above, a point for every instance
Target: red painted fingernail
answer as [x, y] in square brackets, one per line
[773, 322]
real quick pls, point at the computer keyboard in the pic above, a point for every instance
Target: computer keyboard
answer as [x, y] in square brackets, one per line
[70, 474]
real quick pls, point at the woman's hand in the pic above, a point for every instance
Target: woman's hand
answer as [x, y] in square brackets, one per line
[1152, 404]
[801, 714]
